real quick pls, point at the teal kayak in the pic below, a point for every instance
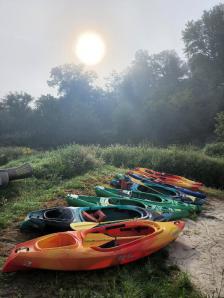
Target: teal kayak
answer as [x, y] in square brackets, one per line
[173, 212]
[155, 199]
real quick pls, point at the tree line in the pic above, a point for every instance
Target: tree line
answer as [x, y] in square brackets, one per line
[160, 98]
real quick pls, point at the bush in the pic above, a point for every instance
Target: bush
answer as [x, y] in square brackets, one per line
[215, 149]
[67, 162]
[189, 163]
[10, 153]
[75, 160]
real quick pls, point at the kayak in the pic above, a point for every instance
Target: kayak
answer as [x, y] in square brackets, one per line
[186, 200]
[196, 194]
[155, 199]
[159, 212]
[95, 248]
[174, 179]
[169, 178]
[153, 188]
[147, 186]
[61, 218]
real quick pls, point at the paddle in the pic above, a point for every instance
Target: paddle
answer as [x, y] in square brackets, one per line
[98, 239]
[89, 225]
[83, 225]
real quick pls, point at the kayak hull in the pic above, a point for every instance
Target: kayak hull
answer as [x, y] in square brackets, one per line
[68, 251]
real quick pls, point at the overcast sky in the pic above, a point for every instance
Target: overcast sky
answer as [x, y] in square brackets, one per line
[37, 35]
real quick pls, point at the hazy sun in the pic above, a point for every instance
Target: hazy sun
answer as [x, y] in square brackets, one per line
[89, 48]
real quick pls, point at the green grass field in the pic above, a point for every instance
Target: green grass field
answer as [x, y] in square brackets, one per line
[77, 169]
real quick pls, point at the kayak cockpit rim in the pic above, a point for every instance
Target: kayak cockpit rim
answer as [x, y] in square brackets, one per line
[153, 230]
[57, 240]
[114, 213]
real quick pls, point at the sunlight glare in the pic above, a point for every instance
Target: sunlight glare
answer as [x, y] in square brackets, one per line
[89, 48]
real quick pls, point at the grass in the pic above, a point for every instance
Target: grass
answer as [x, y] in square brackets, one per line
[73, 160]
[11, 153]
[215, 149]
[149, 277]
[214, 192]
[26, 195]
[188, 162]
[80, 168]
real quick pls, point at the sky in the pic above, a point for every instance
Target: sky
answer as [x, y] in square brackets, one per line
[37, 35]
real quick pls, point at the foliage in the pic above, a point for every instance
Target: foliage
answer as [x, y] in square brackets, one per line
[67, 162]
[11, 153]
[73, 160]
[186, 162]
[159, 98]
[219, 127]
[215, 149]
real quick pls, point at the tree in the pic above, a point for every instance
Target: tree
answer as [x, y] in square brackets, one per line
[78, 103]
[219, 127]
[204, 45]
[16, 112]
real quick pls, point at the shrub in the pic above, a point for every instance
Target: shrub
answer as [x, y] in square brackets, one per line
[215, 149]
[10, 153]
[67, 161]
[189, 163]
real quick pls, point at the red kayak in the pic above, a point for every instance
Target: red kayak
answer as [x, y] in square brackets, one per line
[168, 178]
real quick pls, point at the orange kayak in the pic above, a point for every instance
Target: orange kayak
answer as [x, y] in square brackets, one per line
[168, 178]
[100, 247]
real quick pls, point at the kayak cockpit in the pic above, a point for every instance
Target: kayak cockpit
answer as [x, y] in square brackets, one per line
[113, 214]
[116, 201]
[117, 236]
[58, 214]
[56, 241]
[155, 190]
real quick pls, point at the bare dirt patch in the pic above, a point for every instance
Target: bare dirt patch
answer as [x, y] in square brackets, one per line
[199, 251]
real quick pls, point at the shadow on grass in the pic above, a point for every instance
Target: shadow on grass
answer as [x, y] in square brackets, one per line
[148, 277]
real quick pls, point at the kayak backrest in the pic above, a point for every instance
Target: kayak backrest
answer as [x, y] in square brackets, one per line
[94, 216]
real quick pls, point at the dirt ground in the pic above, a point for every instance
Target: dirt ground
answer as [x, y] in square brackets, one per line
[199, 251]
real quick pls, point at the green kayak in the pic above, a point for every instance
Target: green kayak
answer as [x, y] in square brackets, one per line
[155, 199]
[172, 213]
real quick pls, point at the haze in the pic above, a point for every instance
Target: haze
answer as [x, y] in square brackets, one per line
[38, 35]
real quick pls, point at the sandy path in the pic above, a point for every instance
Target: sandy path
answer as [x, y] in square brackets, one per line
[199, 251]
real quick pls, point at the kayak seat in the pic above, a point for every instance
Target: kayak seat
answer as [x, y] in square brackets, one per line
[56, 240]
[96, 216]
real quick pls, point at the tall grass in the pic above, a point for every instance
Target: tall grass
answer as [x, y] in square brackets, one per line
[67, 162]
[11, 153]
[75, 159]
[187, 162]
[215, 149]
